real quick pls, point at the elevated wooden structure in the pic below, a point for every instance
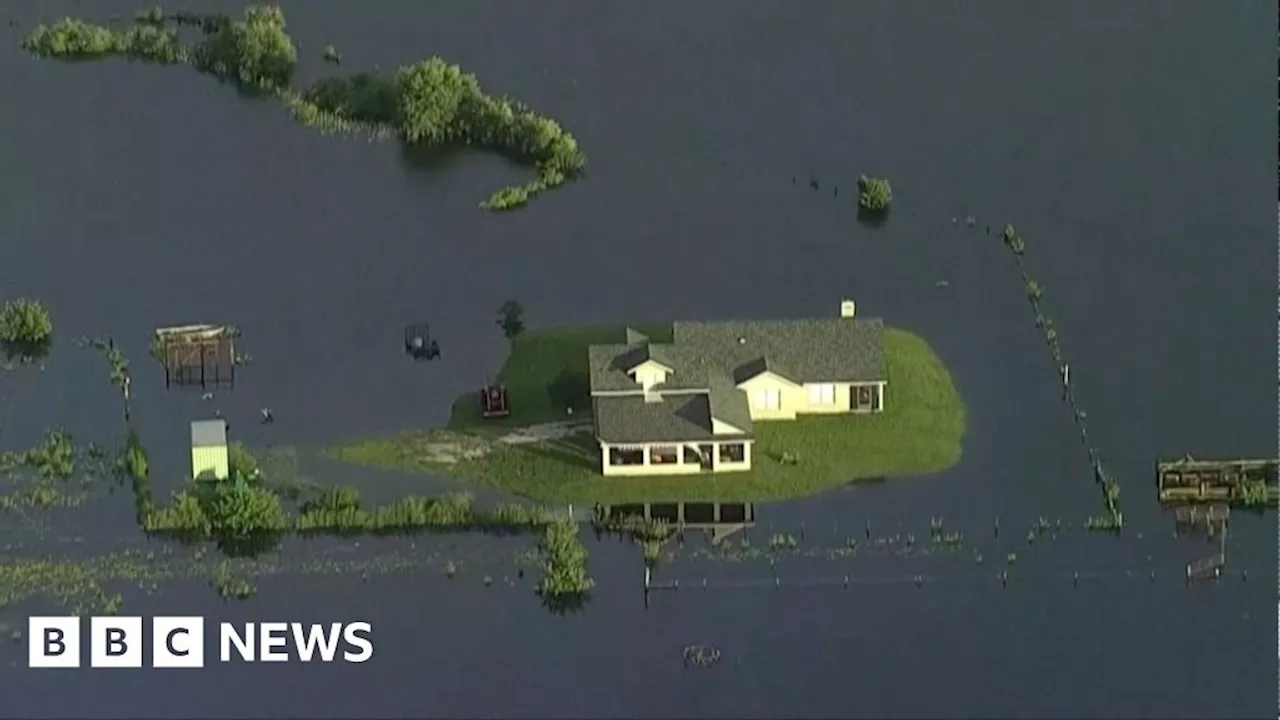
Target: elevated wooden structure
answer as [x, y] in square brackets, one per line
[201, 355]
[1189, 480]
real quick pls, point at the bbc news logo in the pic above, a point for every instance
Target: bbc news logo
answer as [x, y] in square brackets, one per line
[178, 642]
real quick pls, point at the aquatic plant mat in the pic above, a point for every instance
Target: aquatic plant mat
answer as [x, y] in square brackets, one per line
[539, 453]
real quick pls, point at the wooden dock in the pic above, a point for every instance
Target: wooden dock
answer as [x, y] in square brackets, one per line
[1249, 481]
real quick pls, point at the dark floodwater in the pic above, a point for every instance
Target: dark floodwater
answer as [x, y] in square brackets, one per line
[1132, 144]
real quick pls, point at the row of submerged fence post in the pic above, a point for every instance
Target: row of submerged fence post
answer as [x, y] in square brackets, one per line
[1110, 489]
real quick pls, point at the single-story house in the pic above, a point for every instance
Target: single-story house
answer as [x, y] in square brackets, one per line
[210, 459]
[690, 405]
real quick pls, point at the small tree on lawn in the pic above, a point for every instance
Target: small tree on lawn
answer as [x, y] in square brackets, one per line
[511, 319]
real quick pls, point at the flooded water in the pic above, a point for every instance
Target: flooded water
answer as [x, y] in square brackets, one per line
[1131, 144]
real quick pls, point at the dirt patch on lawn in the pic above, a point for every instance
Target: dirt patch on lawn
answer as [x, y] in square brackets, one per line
[448, 448]
[544, 432]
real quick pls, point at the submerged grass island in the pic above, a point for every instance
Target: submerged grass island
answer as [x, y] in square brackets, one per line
[572, 436]
[430, 104]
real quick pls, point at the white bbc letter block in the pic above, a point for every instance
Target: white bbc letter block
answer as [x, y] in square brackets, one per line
[115, 642]
[53, 642]
[177, 642]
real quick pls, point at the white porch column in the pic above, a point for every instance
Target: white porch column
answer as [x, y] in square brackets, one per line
[715, 456]
[880, 389]
[646, 453]
[604, 458]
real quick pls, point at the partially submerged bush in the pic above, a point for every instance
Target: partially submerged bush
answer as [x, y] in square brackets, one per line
[874, 193]
[564, 561]
[71, 39]
[26, 323]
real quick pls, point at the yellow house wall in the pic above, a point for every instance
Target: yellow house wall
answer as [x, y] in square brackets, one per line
[841, 404]
[793, 397]
[210, 462]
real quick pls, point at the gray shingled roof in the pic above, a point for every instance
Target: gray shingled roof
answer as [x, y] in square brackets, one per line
[676, 418]
[209, 433]
[805, 351]
[729, 404]
[713, 357]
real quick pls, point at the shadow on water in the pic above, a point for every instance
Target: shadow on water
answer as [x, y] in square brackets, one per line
[25, 352]
[873, 218]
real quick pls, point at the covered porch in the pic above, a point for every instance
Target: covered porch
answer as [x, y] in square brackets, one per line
[675, 458]
[866, 397]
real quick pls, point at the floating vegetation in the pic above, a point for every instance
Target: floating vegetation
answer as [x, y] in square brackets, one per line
[701, 656]
[79, 585]
[1250, 493]
[338, 510]
[1105, 523]
[231, 585]
[637, 527]
[429, 104]
[53, 457]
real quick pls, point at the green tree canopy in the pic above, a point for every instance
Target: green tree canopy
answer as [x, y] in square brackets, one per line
[433, 94]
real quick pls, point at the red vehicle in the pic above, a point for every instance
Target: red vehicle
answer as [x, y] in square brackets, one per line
[493, 402]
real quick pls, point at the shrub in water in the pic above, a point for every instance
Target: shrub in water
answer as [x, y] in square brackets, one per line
[564, 561]
[253, 52]
[26, 323]
[874, 193]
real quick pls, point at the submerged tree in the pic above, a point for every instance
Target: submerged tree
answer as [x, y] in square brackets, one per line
[254, 52]
[511, 319]
[874, 193]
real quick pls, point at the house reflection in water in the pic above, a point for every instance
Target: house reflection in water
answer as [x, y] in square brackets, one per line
[721, 519]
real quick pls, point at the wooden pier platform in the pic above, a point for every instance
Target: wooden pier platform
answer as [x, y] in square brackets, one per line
[1188, 480]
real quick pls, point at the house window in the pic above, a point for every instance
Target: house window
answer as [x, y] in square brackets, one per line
[664, 455]
[822, 394]
[626, 456]
[768, 399]
[862, 396]
[733, 452]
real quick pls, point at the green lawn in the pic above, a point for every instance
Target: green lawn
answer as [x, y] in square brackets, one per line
[919, 432]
